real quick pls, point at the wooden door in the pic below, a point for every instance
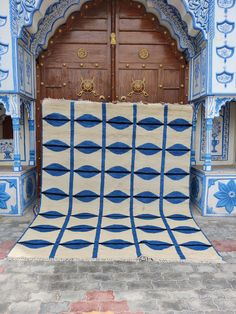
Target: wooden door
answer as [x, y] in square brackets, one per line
[111, 50]
[149, 67]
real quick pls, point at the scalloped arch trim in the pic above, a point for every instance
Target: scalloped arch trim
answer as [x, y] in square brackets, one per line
[49, 15]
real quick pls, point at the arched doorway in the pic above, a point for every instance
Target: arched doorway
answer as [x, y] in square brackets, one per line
[111, 50]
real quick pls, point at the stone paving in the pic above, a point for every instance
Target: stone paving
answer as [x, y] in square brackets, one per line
[36, 287]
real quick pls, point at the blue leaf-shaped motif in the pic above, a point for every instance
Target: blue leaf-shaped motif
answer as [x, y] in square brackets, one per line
[151, 229]
[179, 217]
[179, 125]
[176, 174]
[45, 228]
[118, 172]
[56, 119]
[76, 244]
[186, 229]
[55, 194]
[175, 197]
[225, 77]
[117, 196]
[88, 147]
[86, 196]
[56, 145]
[156, 245]
[178, 150]
[56, 170]
[3, 48]
[119, 148]
[3, 20]
[147, 216]
[52, 215]
[117, 216]
[119, 123]
[88, 120]
[81, 228]
[87, 171]
[35, 244]
[147, 173]
[150, 123]
[116, 228]
[225, 27]
[146, 197]
[117, 244]
[84, 216]
[149, 149]
[196, 245]
[3, 75]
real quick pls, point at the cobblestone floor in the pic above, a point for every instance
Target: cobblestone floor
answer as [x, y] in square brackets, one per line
[118, 287]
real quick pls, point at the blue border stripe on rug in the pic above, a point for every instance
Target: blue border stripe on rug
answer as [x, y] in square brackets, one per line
[102, 187]
[71, 181]
[163, 157]
[136, 243]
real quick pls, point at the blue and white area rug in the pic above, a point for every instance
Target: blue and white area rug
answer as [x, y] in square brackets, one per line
[115, 185]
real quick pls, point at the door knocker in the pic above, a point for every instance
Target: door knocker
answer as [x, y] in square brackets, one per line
[138, 87]
[87, 86]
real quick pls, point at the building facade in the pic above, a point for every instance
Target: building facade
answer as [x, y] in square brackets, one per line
[36, 40]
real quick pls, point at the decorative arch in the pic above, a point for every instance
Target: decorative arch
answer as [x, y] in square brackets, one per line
[221, 102]
[30, 12]
[43, 17]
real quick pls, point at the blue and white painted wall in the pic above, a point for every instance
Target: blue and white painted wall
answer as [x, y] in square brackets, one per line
[224, 49]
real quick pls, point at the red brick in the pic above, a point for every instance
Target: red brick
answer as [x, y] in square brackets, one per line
[118, 306]
[128, 312]
[85, 306]
[100, 295]
[225, 245]
[5, 247]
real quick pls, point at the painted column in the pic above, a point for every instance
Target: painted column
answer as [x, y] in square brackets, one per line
[32, 134]
[207, 158]
[16, 136]
[15, 114]
[194, 127]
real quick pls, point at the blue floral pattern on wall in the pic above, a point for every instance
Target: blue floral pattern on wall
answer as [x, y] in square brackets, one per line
[226, 196]
[25, 8]
[4, 196]
[225, 77]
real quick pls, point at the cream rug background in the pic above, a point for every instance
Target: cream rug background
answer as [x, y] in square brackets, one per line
[115, 185]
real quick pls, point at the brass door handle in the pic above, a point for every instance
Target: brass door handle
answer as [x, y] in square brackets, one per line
[87, 86]
[138, 87]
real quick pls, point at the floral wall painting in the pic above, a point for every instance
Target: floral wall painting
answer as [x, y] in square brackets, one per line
[4, 196]
[226, 196]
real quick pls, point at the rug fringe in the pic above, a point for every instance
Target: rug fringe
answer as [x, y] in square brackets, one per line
[141, 259]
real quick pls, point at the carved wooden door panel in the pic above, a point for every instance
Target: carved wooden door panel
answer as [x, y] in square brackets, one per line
[77, 63]
[149, 66]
